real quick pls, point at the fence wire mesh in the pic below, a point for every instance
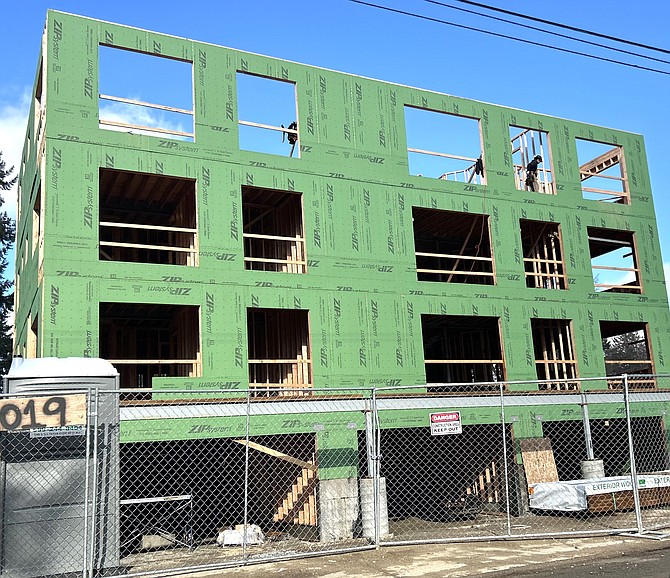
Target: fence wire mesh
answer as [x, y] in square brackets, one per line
[260, 478]
[650, 436]
[181, 481]
[57, 481]
[445, 476]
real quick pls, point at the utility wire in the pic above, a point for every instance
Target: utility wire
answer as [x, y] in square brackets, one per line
[557, 24]
[499, 35]
[529, 27]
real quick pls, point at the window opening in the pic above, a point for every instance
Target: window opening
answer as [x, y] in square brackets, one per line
[147, 218]
[33, 338]
[626, 350]
[452, 247]
[531, 158]
[145, 93]
[273, 235]
[465, 351]
[37, 220]
[602, 171]
[280, 362]
[543, 255]
[614, 261]
[145, 340]
[39, 109]
[267, 113]
[444, 146]
[554, 354]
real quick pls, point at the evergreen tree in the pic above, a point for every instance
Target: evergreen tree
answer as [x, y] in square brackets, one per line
[7, 232]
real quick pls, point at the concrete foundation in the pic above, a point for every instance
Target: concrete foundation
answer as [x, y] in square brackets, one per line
[368, 508]
[338, 509]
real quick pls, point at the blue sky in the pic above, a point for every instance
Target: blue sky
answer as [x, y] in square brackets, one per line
[349, 37]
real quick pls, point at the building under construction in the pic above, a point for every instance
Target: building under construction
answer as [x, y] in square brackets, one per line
[265, 225]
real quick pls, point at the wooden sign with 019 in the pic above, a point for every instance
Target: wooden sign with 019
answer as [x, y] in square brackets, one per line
[27, 413]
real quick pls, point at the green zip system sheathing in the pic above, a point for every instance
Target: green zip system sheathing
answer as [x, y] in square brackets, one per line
[360, 301]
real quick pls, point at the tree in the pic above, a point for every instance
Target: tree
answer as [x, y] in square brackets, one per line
[7, 232]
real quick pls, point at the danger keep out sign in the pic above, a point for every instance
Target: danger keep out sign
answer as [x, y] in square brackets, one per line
[445, 423]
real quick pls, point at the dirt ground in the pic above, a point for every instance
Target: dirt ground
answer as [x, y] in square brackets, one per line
[481, 548]
[506, 558]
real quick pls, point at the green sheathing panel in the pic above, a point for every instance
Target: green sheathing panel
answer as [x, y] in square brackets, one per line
[361, 291]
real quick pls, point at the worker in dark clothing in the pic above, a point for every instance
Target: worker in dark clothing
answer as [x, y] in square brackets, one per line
[292, 137]
[532, 182]
[477, 170]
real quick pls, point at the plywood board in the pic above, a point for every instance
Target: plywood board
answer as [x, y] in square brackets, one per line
[538, 460]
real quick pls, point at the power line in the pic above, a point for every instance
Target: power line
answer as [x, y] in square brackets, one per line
[567, 27]
[527, 26]
[499, 35]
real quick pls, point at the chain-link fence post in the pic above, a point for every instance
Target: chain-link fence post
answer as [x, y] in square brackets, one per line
[631, 452]
[246, 478]
[503, 430]
[95, 531]
[89, 523]
[375, 466]
[588, 439]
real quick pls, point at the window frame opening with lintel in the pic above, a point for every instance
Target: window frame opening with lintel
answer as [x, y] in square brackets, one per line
[279, 352]
[273, 230]
[147, 218]
[264, 105]
[627, 350]
[453, 247]
[607, 246]
[38, 233]
[542, 247]
[39, 111]
[160, 77]
[147, 340]
[430, 156]
[527, 144]
[555, 359]
[466, 351]
[602, 171]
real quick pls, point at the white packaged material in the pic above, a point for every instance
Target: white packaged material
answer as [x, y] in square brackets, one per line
[253, 535]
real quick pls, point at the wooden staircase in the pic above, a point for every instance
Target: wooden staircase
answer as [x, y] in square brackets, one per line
[299, 505]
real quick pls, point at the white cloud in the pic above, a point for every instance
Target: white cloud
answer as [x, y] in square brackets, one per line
[141, 116]
[13, 119]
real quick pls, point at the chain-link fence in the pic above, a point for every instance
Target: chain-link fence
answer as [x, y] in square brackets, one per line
[223, 482]
[59, 483]
[180, 481]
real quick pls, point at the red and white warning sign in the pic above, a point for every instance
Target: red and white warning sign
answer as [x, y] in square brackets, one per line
[445, 423]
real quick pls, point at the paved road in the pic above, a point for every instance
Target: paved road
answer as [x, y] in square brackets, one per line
[569, 558]
[650, 564]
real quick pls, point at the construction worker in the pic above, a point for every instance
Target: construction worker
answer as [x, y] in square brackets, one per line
[532, 182]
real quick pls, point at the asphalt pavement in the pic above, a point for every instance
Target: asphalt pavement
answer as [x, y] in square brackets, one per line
[634, 557]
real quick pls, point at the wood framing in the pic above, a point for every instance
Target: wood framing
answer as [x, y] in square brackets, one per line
[526, 144]
[452, 247]
[604, 177]
[274, 238]
[461, 350]
[543, 255]
[147, 218]
[459, 167]
[614, 261]
[146, 340]
[627, 350]
[280, 361]
[554, 354]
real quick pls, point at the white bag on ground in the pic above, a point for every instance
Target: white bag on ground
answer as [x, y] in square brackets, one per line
[252, 535]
